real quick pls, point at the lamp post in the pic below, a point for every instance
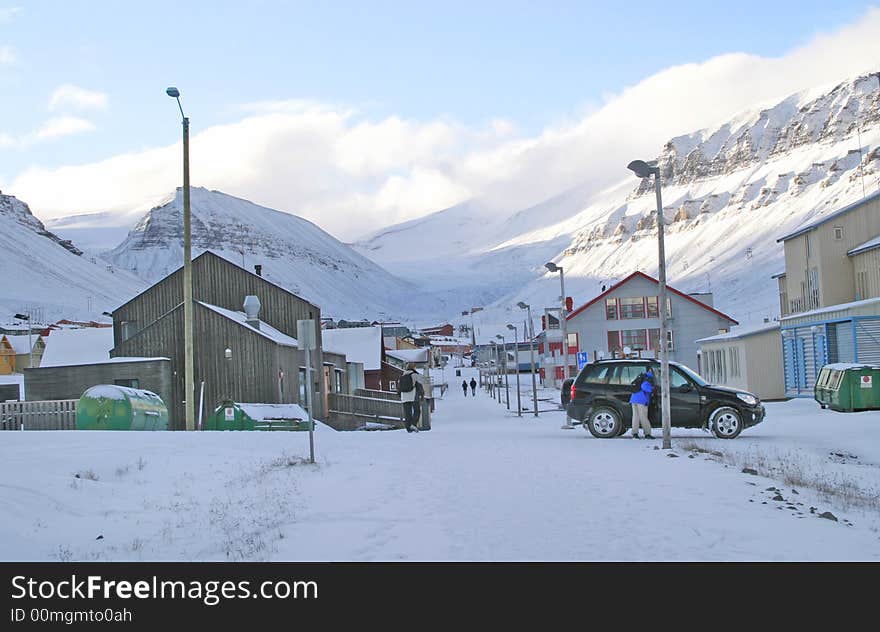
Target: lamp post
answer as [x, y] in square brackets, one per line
[516, 367]
[644, 170]
[552, 267]
[188, 367]
[528, 307]
[506, 381]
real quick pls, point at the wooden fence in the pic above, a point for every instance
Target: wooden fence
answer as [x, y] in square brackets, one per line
[365, 392]
[57, 414]
[348, 412]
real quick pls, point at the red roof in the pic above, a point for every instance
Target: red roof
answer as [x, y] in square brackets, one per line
[649, 278]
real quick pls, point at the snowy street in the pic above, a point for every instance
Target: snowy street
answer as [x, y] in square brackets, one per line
[481, 485]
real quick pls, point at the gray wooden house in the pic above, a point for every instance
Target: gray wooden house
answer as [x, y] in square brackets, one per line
[264, 365]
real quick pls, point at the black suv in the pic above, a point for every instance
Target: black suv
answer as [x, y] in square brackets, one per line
[599, 398]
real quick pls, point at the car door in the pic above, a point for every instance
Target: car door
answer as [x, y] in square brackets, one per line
[620, 385]
[684, 400]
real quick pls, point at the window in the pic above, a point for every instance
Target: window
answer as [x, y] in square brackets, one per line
[129, 329]
[632, 308]
[626, 374]
[813, 287]
[303, 399]
[670, 342]
[339, 385]
[861, 285]
[634, 338]
[733, 361]
[838, 232]
[572, 344]
[610, 309]
[654, 338]
[130, 383]
[676, 379]
[613, 341]
[596, 373]
[653, 310]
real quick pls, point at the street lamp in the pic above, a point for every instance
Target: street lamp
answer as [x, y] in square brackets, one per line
[516, 367]
[506, 381]
[188, 366]
[552, 267]
[643, 170]
[531, 335]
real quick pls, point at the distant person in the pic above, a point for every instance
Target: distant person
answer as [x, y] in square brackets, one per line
[473, 387]
[406, 386]
[643, 387]
[464, 387]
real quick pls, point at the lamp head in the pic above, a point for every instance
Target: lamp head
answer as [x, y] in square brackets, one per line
[551, 266]
[642, 169]
[228, 353]
[172, 92]
[511, 327]
[523, 305]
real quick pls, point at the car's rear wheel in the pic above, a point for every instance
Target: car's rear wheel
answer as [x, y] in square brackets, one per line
[726, 422]
[604, 423]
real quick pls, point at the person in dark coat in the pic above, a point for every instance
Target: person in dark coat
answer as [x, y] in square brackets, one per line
[639, 401]
[464, 387]
[473, 387]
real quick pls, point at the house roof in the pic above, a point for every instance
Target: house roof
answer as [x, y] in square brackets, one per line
[68, 347]
[743, 332]
[21, 344]
[409, 355]
[265, 330]
[359, 344]
[209, 253]
[828, 218]
[871, 244]
[639, 273]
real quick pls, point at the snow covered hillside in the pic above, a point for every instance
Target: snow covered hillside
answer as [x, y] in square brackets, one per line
[728, 192]
[293, 252]
[43, 273]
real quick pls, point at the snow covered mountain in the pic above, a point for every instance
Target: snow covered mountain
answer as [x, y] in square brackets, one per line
[293, 253]
[49, 276]
[728, 192]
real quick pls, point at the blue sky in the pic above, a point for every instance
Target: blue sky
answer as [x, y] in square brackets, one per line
[534, 64]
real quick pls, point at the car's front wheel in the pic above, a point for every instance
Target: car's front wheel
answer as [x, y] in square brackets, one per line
[726, 422]
[604, 423]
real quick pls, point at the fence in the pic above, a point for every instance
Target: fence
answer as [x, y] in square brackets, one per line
[348, 412]
[59, 414]
[365, 392]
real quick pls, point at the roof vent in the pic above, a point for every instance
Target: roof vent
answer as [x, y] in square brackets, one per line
[258, 269]
[252, 311]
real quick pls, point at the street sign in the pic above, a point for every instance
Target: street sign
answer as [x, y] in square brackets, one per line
[305, 334]
[867, 381]
[582, 359]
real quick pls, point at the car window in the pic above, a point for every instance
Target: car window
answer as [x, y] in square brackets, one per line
[626, 374]
[676, 379]
[595, 373]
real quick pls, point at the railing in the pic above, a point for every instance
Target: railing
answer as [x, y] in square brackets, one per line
[351, 411]
[365, 392]
[59, 414]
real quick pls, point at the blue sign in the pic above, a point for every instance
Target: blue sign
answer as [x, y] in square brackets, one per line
[582, 359]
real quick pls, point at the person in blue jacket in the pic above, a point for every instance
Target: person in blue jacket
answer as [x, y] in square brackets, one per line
[639, 401]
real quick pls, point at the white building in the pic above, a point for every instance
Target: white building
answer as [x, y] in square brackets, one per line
[749, 359]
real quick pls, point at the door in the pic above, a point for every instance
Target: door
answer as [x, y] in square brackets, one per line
[327, 387]
[620, 386]
[684, 400]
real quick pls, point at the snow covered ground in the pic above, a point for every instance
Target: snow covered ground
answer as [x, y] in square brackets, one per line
[481, 485]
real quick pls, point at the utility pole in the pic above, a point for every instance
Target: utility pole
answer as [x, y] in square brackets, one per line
[516, 367]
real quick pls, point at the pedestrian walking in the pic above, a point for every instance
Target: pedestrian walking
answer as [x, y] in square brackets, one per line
[643, 386]
[406, 386]
[464, 387]
[473, 387]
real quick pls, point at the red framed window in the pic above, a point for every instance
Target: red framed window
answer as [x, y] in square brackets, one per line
[614, 341]
[611, 309]
[631, 308]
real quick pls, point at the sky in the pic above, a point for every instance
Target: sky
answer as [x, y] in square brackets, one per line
[360, 115]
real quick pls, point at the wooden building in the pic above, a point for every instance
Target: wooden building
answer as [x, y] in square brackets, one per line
[264, 366]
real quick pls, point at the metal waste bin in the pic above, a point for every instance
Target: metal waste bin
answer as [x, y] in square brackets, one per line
[848, 387]
[457, 372]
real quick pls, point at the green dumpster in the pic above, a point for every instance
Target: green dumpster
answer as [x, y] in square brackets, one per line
[847, 387]
[111, 407]
[247, 416]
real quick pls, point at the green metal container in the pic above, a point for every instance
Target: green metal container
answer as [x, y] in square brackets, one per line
[242, 416]
[848, 387]
[111, 407]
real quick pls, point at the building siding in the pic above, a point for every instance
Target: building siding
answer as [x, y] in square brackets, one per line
[69, 382]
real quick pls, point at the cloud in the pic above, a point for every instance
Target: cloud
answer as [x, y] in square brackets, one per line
[69, 96]
[8, 14]
[353, 173]
[7, 56]
[61, 126]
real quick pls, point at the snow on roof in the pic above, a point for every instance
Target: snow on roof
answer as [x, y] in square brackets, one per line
[265, 330]
[742, 332]
[409, 355]
[66, 347]
[259, 412]
[843, 366]
[20, 344]
[359, 344]
[868, 245]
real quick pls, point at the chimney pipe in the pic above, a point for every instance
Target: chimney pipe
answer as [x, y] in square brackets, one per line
[252, 311]
[258, 269]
